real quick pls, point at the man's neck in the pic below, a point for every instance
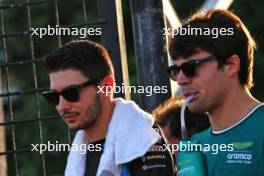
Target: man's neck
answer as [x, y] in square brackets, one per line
[99, 129]
[234, 107]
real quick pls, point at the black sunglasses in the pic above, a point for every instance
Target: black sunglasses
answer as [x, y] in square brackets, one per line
[188, 68]
[70, 94]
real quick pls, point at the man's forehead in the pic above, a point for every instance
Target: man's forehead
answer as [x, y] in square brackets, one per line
[196, 56]
[62, 79]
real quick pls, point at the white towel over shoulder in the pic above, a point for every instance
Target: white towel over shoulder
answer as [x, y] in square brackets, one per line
[129, 136]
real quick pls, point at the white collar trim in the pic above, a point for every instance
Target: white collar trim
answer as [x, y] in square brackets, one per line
[240, 121]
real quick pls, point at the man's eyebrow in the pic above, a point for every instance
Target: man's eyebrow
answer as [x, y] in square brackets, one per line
[69, 86]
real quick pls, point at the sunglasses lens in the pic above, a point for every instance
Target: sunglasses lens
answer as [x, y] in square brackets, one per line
[51, 97]
[188, 69]
[71, 94]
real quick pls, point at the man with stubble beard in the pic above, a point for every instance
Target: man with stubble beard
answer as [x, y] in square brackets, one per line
[81, 87]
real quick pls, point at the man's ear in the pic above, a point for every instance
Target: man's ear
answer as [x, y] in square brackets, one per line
[233, 66]
[108, 83]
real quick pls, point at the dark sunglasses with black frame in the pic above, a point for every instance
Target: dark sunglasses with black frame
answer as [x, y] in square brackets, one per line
[188, 68]
[70, 93]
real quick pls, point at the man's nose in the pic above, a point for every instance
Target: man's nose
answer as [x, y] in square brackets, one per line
[63, 104]
[182, 80]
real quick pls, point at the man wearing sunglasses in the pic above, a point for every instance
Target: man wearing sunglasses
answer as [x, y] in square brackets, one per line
[217, 72]
[119, 135]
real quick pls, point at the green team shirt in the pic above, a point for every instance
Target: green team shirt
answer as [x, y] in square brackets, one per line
[238, 150]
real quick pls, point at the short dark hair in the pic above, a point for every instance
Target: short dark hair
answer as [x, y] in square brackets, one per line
[168, 114]
[223, 47]
[91, 58]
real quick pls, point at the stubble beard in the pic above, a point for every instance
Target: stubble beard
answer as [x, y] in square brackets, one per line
[95, 111]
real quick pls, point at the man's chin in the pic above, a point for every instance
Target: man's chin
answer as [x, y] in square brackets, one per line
[74, 127]
[196, 109]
